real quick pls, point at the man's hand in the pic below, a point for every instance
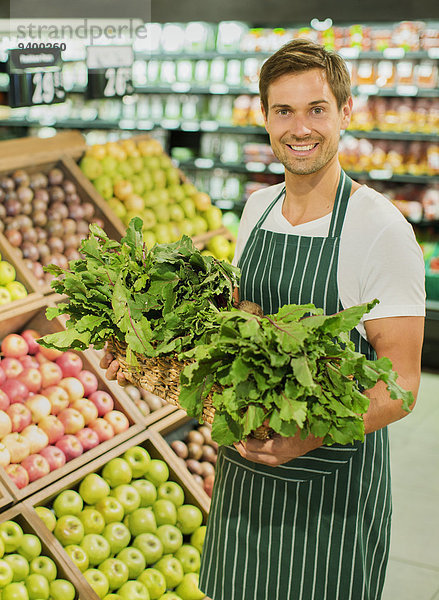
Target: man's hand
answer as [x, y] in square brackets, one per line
[111, 365]
[277, 450]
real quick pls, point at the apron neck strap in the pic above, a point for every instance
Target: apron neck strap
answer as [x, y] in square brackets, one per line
[268, 209]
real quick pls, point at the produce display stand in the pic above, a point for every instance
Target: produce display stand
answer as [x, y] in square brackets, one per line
[33, 317]
[175, 427]
[32, 524]
[5, 498]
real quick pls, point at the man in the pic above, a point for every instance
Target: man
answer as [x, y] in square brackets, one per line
[292, 519]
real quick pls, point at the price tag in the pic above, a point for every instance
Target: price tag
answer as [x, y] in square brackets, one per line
[203, 163]
[393, 53]
[127, 124]
[145, 124]
[367, 90]
[35, 77]
[110, 71]
[381, 174]
[180, 87]
[349, 52]
[255, 167]
[433, 52]
[277, 168]
[219, 88]
[406, 90]
[209, 126]
[190, 126]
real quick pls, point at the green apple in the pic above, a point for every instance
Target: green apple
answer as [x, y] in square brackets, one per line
[214, 218]
[91, 167]
[197, 538]
[93, 488]
[109, 164]
[186, 227]
[165, 512]
[158, 472]
[171, 569]
[133, 590]
[17, 290]
[78, 556]
[117, 207]
[2, 548]
[142, 520]
[92, 520]
[125, 169]
[113, 597]
[68, 502]
[134, 560]
[5, 296]
[115, 571]
[176, 213]
[11, 534]
[170, 490]
[19, 566]
[189, 557]
[149, 239]
[171, 538]
[176, 193]
[154, 581]
[150, 546]
[161, 232]
[219, 246]
[110, 508]
[7, 272]
[189, 518]
[96, 547]
[170, 596]
[139, 460]
[6, 573]
[15, 591]
[118, 536]
[47, 516]
[199, 225]
[147, 491]
[69, 530]
[30, 546]
[97, 581]
[37, 587]
[117, 472]
[128, 496]
[187, 589]
[61, 589]
[137, 183]
[43, 565]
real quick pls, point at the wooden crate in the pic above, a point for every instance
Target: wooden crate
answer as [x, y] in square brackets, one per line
[34, 318]
[174, 427]
[5, 498]
[29, 521]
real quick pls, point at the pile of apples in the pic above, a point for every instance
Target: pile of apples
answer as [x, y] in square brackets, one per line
[26, 573]
[129, 530]
[138, 179]
[51, 410]
[10, 289]
[199, 453]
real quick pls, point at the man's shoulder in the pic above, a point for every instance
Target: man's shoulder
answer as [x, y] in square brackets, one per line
[372, 208]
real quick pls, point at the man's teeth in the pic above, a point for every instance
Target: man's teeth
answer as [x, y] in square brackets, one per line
[302, 148]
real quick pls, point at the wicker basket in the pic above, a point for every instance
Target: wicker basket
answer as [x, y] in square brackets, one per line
[161, 376]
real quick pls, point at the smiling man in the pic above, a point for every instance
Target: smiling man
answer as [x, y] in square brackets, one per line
[292, 519]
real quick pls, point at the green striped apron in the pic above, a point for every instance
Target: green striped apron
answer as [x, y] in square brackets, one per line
[317, 527]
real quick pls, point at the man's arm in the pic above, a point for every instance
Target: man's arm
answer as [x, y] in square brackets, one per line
[398, 338]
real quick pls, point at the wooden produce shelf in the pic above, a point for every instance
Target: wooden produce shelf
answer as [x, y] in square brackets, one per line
[30, 523]
[33, 317]
[176, 426]
[5, 498]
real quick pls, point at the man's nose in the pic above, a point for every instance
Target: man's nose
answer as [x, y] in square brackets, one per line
[299, 127]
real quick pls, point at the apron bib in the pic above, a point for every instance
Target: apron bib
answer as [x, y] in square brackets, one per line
[317, 527]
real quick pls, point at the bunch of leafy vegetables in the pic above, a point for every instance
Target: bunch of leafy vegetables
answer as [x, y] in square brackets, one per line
[296, 369]
[159, 302]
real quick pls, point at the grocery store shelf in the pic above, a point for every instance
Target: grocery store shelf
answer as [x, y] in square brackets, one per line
[384, 175]
[405, 136]
[408, 91]
[250, 167]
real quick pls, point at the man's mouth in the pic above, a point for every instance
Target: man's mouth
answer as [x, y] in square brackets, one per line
[302, 148]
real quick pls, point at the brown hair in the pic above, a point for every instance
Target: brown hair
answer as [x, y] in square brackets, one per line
[303, 55]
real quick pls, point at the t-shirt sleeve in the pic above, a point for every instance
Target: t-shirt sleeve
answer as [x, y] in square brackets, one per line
[394, 272]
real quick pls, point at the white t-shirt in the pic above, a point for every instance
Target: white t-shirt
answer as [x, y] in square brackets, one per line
[379, 256]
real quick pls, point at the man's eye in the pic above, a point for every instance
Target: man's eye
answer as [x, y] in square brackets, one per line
[318, 110]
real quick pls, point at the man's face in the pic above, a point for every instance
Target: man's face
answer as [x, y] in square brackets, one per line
[304, 122]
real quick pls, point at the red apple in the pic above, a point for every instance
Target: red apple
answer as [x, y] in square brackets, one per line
[18, 474]
[31, 378]
[49, 353]
[57, 397]
[5, 423]
[14, 345]
[20, 416]
[29, 362]
[89, 381]
[73, 387]
[51, 374]
[5, 456]
[30, 335]
[15, 390]
[41, 359]
[118, 421]
[4, 400]
[87, 409]
[70, 445]
[54, 456]
[17, 445]
[39, 406]
[103, 402]
[36, 466]
[72, 420]
[103, 429]
[88, 438]
[70, 363]
[12, 367]
[2, 375]
[37, 438]
[53, 428]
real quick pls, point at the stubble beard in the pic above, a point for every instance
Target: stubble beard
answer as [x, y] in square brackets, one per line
[304, 166]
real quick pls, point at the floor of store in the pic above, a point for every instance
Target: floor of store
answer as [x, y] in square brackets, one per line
[413, 572]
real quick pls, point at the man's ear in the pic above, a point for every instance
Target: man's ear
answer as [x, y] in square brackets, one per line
[346, 112]
[264, 114]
